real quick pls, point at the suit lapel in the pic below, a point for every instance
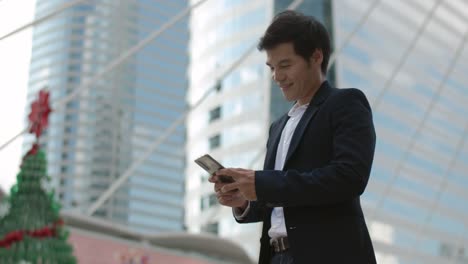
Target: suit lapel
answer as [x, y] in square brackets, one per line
[318, 99]
[275, 137]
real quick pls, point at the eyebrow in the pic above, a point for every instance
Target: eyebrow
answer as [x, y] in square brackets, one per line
[280, 62]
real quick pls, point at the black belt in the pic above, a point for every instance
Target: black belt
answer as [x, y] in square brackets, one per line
[279, 244]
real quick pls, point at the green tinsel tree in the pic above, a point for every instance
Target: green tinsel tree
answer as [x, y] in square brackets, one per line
[31, 231]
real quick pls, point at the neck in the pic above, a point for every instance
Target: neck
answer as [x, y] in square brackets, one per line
[310, 94]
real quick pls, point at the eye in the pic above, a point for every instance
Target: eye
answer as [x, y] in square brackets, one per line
[285, 66]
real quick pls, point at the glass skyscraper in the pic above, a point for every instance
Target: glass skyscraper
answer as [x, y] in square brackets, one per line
[221, 32]
[95, 137]
[409, 57]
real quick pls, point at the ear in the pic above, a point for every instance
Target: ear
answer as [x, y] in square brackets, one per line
[317, 57]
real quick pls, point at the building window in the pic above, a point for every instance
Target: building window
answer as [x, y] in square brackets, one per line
[202, 204]
[215, 141]
[215, 114]
[212, 200]
[208, 201]
[204, 178]
[452, 251]
[218, 86]
[210, 228]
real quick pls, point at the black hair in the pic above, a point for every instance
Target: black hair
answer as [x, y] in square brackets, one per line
[305, 32]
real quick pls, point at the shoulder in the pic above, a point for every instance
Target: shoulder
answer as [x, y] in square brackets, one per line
[347, 93]
[346, 96]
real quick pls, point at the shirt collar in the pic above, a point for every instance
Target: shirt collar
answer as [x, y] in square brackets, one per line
[297, 109]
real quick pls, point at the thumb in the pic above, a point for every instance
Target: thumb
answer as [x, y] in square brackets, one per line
[230, 187]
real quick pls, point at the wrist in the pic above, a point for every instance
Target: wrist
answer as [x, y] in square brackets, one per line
[244, 206]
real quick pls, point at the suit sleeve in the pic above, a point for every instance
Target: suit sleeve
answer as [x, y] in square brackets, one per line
[345, 176]
[255, 214]
[256, 210]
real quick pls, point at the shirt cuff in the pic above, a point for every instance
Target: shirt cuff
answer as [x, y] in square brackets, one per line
[238, 214]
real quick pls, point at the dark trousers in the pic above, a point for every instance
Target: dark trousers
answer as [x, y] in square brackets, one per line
[282, 258]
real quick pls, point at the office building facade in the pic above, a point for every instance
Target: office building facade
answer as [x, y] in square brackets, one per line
[408, 58]
[95, 137]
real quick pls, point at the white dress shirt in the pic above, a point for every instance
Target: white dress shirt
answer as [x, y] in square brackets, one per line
[278, 227]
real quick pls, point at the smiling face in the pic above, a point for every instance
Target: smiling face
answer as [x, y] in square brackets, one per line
[298, 79]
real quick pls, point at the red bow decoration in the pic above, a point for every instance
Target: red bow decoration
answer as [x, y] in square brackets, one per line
[39, 116]
[11, 238]
[33, 150]
[17, 236]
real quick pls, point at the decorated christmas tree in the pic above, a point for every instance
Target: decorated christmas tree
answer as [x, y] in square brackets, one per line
[31, 230]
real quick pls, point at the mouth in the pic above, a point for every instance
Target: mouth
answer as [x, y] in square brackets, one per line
[285, 87]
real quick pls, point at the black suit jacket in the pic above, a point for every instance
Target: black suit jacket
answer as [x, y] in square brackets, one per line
[326, 170]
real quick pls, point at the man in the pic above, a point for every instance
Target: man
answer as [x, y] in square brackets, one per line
[318, 160]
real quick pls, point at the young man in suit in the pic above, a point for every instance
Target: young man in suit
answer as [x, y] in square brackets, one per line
[318, 160]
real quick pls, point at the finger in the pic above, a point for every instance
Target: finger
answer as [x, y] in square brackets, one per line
[222, 197]
[222, 172]
[213, 178]
[224, 201]
[219, 193]
[230, 187]
[218, 185]
[228, 172]
[230, 193]
[225, 196]
[229, 196]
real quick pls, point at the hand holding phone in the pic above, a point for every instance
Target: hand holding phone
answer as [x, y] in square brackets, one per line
[210, 165]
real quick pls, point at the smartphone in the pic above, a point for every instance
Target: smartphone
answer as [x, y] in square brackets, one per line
[211, 166]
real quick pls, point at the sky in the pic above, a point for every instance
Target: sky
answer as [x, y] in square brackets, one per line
[15, 54]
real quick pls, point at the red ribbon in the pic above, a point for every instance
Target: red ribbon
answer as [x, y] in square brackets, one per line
[18, 235]
[39, 115]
